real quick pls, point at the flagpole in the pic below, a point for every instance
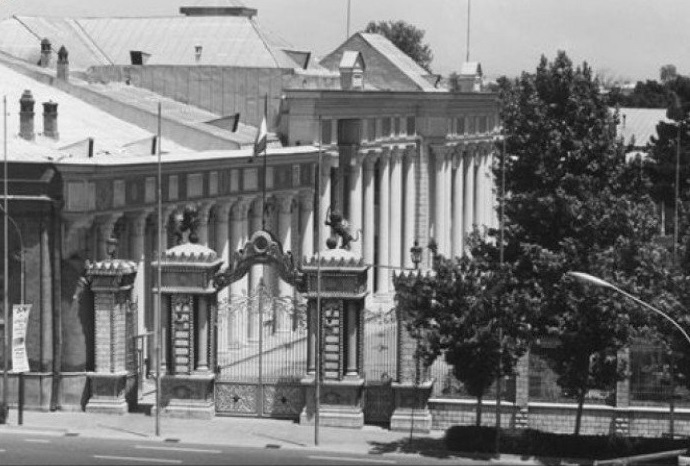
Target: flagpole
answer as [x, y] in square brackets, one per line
[6, 348]
[157, 307]
[469, 3]
[263, 204]
[317, 330]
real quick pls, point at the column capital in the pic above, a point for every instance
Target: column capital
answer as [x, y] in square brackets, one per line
[223, 208]
[384, 156]
[284, 203]
[306, 200]
[204, 210]
[370, 160]
[138, 218]
[397, 154]
[239, 209]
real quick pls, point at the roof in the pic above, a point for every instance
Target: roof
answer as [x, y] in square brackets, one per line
[471, 68]
[400, 60]
[225, 40]
[350, 59]
[77, 121]
[394, 70]
[637, 125]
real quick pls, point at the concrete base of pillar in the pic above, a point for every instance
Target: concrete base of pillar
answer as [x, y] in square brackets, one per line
[109, 392]
[411, 413]
[340, 403]
[188, 396]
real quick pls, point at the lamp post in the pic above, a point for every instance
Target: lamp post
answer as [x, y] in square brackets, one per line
[592, 280]
[416, 256]
[4, 408]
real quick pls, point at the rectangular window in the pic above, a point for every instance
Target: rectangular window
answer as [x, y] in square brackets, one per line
[213, 183]
[118, 193]
[195, 185]
[371, 129]
[295, 176]
[173, 188]
[483, 124]
[326, 136]
[411, 124]
[234, 181]
[472, 125]
[396, 126]
[460, 125]
[150, 190]
[250, 180]
[386, 128]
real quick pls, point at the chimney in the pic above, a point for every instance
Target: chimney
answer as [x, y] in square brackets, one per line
[50, 123]
[197, 52]
[63, 64]
[26, 116]
[46, 50]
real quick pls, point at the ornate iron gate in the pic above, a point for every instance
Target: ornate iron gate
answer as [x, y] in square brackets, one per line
[380, 365]
[259, 371]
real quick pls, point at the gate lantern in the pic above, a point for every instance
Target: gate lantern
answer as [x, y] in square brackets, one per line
[189, 305]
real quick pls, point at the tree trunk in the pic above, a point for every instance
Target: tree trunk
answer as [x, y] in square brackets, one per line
[479, 411]
[580, 406]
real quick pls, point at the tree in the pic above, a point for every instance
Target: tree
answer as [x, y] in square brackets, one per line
[472, 311]
[667, 73]
[573, 203]
[407, 38]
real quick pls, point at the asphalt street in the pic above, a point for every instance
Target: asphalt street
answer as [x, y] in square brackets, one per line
[59, 449]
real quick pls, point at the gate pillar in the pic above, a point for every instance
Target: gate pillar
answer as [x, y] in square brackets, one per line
[113, 382]
[343, 290]
[189, 307]
[413, 385]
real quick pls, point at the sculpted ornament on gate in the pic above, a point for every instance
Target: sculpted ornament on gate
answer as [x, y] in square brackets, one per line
[262, 248]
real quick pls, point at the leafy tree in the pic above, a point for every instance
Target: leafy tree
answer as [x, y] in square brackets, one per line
[474, 312]
[407, 38]
[667, 73]
[573, 203]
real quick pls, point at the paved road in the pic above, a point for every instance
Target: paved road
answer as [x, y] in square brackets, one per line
[27, 448]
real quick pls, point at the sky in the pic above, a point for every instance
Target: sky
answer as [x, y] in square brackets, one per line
[621, 39]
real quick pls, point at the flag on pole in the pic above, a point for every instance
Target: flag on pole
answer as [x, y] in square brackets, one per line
[261, 138]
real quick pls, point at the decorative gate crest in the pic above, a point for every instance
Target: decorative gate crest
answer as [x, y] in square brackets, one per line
[262, 248]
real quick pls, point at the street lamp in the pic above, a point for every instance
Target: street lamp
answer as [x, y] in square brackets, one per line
[416, 254]
[592, 280]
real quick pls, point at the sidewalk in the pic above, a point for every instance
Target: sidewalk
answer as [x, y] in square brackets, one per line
[238, 431]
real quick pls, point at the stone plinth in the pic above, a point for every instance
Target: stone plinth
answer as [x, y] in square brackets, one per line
[111, 393]
[411, 412]
[113, 382]
[188, 316]
[188, 396]
[341, 403]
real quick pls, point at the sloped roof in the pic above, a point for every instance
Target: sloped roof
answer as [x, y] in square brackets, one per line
[398, 58]
[225, 40]
[394, 70]
[638, 125]
[77, 121]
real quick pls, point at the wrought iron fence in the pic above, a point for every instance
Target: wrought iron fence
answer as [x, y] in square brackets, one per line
[266, 337]
[380, 345]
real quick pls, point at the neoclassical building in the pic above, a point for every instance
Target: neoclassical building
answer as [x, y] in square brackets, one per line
[400, 156]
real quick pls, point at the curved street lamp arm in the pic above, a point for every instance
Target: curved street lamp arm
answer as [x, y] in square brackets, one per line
[652, 308]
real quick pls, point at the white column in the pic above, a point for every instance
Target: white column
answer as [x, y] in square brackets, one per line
[410, 206]
[202, 232]
[439, 199]
[396, 212]
[282, 313]
[223, 250]
[369, 224]
[480, 190]
[324, 203]
[447, 202]
[382, 273]
[356, 202]
[237, 314]
[306, 212]
[458, 197]
[137, 231]
[469, 191]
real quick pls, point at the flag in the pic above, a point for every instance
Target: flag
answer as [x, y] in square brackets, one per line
[261, 138]
[236, 122]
